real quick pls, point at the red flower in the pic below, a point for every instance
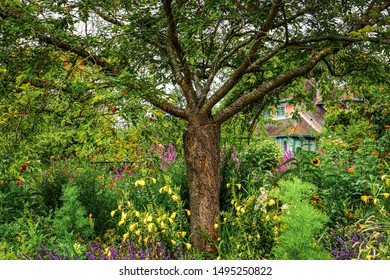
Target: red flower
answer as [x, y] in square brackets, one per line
[20, 183]
[24, 167]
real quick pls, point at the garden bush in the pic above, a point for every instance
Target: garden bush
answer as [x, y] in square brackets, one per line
[299, 216]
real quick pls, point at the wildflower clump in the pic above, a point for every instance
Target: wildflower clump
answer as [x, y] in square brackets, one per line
[150, 212]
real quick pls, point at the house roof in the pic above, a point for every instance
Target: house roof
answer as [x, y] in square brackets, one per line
[289, 127]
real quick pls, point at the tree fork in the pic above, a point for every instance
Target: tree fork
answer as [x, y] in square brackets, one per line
[202, 154]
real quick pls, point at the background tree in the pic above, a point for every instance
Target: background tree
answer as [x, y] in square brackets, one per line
[192, 59]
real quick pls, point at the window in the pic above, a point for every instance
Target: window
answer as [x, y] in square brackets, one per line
[281, 112]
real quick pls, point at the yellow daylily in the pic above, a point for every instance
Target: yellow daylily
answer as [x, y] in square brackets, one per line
[365, 198]
[271, 202]
[113, 212]
[132, 226]
[140, 182]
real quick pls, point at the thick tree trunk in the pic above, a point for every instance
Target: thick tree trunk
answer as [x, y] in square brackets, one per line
[202, 153]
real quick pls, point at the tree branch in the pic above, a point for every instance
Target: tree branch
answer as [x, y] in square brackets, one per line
[169, 108]
[241, 70]
[263, 90]
[173, 47]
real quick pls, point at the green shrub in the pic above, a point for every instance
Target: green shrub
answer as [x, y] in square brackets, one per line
[301, 223]
[6, 253]
[71, 218]
[97, 198]
[53, 180]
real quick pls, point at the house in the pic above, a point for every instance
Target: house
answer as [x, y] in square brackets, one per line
[291, 132]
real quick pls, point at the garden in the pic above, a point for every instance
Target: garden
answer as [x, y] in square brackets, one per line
[333, 203]
[134, 130]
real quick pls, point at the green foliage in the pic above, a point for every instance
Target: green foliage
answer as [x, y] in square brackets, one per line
[6, 252]
[151, 209]
[247, 226]
[96, 197]
[71, 218]
[300, 223]
[53, 180]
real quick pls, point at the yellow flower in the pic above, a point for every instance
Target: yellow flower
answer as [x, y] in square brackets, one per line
[125, 236]
[351, 170]
[123, 219]
[140, 182]
[183, 234]
[238, 186]
[232, 202]
[276, 218]
[173, 215]
[216, 226]
[138, 232]
[113, 213]
[188, 246]
[376, 201]
[150, 227]
[231, 238]
[271, 202]
[228, 185]
[267, 218]
[187, 212]
[383, 211]
[175, 197]
[173, 242]
[132, 227]
[365, 198]
[153, 180]
[136, 213]
[386, 195]
[315, 161]
[149, 218]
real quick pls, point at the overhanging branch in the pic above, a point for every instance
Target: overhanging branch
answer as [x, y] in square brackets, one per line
[263, 90]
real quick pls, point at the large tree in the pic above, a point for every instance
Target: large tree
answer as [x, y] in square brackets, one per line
[202, 61]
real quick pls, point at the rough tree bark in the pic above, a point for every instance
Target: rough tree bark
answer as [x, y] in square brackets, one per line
[202, 152]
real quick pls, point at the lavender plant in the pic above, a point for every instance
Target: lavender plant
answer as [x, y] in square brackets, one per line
[125, 250]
